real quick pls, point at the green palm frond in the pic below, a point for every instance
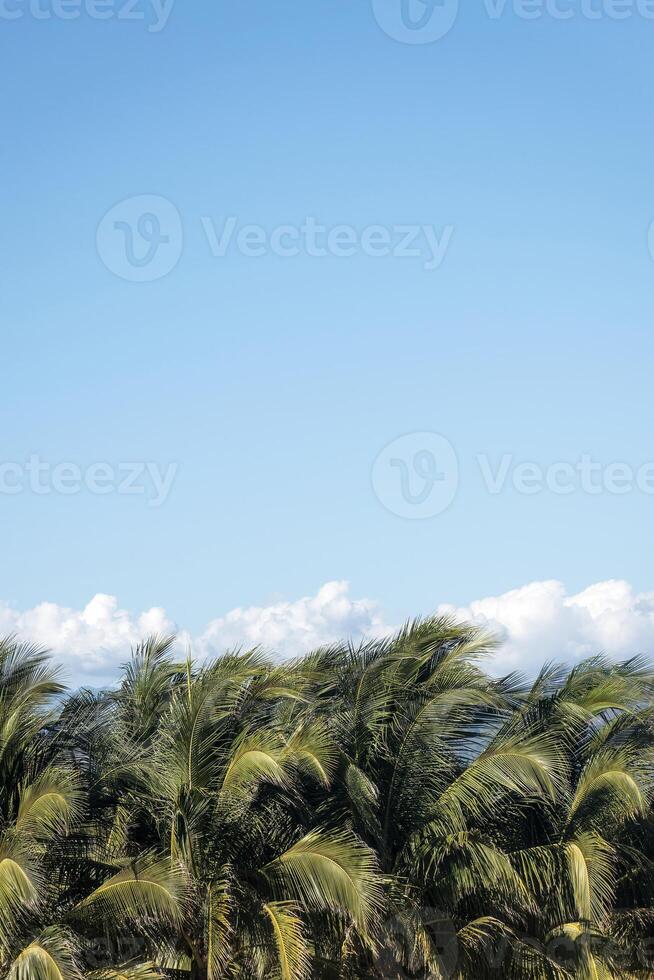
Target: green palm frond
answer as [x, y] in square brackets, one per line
[312, 749]
[293, 959]
[330, 871]
[144, 971]
[610, 780]
[50, 805]
[591, 862]
[146, 890]
[514, 767]
[575, 877]
[219, 928]
[363, 797]
[19, 889]
[52, 956]
[464, 865]
[257, 758]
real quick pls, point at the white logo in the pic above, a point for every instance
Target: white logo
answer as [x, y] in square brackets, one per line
[650, 239]
[140, 239]
[416, 21]
[395, 959]
[417, 475]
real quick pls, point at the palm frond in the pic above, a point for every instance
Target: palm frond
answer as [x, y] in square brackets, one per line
[330, 871]
[293, 959]
[145, 890]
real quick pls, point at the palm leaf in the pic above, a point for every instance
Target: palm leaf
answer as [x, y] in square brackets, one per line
[330, 871]
[143, 891]
[52, 956]
[293, 961]
[50, 804]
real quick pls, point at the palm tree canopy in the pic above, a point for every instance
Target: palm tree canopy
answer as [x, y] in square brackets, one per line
[384, 810]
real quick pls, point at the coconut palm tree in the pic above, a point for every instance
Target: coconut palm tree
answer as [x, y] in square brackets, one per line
[40, 803]
[373, 812]
[425, 760]
[584, 855]
[496, 810]
[46, 829]
[214, 816]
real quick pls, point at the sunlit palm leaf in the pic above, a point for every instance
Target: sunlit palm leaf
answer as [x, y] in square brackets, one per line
[50, 804]
[147, 890]
[293, 960]
[53, 956]
[328, 871]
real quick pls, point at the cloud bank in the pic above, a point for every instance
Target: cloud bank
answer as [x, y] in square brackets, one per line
[538, 622]
[91, 642]
[542, 622]
[293, 628]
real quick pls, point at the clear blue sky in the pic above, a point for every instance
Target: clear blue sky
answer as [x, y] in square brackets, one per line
[275, 382]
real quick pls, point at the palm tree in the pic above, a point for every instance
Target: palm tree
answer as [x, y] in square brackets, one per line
[425, 759]
[372, 812]
[46, 839]
[496, 810]
[220, 862]
[40, 803]
[584, 856]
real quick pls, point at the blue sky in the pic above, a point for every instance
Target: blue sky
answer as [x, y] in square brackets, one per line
[273, 383]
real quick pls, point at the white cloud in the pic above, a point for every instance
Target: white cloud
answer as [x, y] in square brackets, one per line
[535, 623]
[91, 642]
[542, 622]
[292, 628]
[94, 641]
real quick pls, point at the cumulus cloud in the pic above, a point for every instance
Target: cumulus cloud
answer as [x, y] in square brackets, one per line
[292, 628]
[94, 641]
[538, 622]
[541, 622]
[91, 642]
